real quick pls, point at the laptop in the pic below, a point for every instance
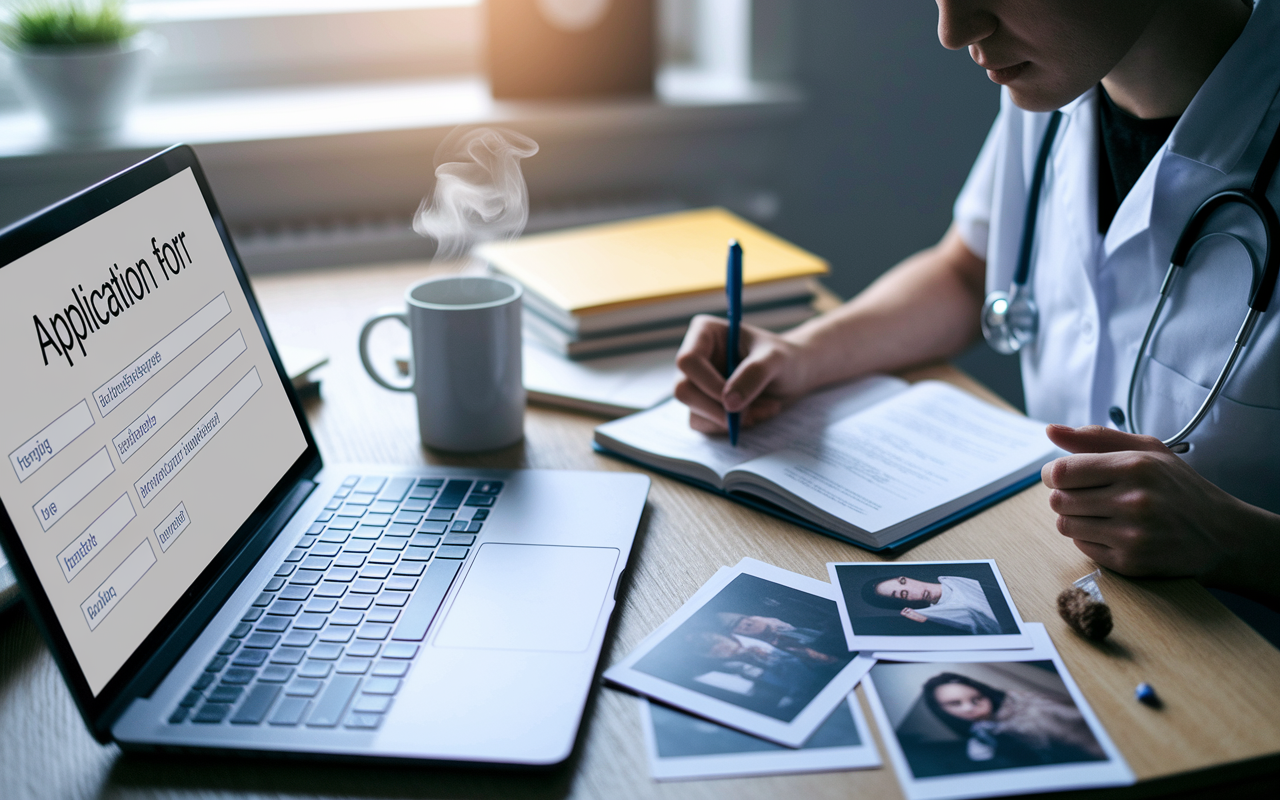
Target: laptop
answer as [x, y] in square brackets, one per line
[204, 582]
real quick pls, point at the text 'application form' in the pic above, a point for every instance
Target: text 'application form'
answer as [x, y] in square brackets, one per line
[147, 421]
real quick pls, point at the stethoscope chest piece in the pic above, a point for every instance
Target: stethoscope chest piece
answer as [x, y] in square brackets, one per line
[1010, 321]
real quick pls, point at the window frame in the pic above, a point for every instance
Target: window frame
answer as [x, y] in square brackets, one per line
[212, 45]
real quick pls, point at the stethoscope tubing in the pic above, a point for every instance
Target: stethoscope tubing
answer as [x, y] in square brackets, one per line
[1260, 293]
[1023, 272]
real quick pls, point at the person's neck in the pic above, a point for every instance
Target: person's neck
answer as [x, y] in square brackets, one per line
[1175, 54]
[937, 593]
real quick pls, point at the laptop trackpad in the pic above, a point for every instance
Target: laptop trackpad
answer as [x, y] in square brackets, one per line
[530, 597]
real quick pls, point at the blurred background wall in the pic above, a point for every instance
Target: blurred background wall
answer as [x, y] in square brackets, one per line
[891, 125]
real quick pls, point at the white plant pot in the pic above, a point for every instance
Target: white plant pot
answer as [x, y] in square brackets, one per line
[85, 91]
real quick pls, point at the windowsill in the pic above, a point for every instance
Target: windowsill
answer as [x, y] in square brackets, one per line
[683, 99]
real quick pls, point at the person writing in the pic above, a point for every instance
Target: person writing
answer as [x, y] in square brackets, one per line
[1142, 110]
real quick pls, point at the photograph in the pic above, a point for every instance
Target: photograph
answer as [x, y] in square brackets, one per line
[926, 605]
[757, 648]
[977, 724]
[685, 747]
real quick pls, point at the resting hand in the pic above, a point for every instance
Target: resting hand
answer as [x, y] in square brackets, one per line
[1133, 506]
[913, 615]
[767, 375]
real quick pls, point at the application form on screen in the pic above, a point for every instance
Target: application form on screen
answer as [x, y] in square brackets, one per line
[144, 423]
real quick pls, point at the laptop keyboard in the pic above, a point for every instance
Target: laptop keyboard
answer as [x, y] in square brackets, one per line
[333, 633]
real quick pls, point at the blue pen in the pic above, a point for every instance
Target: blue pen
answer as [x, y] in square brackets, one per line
[733, 292]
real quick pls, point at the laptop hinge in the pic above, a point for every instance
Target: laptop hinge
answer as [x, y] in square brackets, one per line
[173, 648]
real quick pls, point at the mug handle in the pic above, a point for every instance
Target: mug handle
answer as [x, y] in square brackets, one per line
[364, 350]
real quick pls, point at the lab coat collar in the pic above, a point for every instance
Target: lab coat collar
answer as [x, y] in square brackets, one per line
[1219, 124]
[1224, 116]
[1075, 174]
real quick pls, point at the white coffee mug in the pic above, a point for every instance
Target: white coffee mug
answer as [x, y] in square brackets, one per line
[466, 364]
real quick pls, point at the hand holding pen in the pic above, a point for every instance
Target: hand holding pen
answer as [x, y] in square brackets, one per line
[767, 372]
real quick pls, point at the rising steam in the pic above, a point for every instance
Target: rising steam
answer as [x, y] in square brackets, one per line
[480, 194]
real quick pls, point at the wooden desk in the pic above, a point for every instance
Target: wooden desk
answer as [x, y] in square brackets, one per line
[1217, 677]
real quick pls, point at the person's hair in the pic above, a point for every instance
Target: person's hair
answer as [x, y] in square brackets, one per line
[959, 726]
[873, 598]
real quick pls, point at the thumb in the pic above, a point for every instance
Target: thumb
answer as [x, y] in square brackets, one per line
[1099, 439]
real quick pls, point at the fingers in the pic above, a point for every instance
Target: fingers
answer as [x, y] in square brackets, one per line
[1124, 557]
[1098, 552]
[1098, 439]
[708, 416]
[750, 379]
[1099, 469]
[1094, 502]
[1134, 503]
[1097, 530]
[1119, 544]
[708, 426]
[762, 409]
[703, 388]
[701, 354]
[1093, 535]
[699, 403]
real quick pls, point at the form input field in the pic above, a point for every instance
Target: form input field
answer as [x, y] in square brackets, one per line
[193, 441]
[172, 526]
[109, 594]
[41, 448]
[111, 394]
[74, 488]
[77, 555]
[171, 402]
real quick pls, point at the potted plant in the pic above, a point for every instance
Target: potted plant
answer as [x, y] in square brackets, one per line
[82, 64]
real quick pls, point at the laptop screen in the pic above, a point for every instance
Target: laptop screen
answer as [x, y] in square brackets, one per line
[144, 420]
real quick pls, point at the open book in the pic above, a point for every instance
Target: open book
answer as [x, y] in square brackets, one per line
[877, 462]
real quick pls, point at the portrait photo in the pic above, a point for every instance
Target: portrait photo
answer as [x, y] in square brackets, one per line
[995, 720]
[926, 605]
[757, 648]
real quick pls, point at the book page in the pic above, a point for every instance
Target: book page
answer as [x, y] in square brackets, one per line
[925, 447]
[664, 430]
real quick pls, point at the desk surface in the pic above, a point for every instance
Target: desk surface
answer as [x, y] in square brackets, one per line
[1217, 677]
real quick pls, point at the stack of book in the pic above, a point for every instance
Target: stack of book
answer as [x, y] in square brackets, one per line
[633, 285]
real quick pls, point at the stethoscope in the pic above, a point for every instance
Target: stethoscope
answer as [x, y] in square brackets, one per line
[1010, 320]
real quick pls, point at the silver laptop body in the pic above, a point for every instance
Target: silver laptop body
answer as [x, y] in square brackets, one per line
[503, 672]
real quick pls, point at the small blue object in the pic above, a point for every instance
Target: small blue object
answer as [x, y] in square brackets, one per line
[1146, 695]
[733, 296]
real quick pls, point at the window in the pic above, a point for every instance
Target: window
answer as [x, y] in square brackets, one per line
[218, 45]
[225, 44]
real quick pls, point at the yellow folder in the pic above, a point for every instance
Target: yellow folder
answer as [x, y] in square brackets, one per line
[602, 268]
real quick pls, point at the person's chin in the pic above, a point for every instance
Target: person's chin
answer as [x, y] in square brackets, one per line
[1030, 92]
[1035, 101]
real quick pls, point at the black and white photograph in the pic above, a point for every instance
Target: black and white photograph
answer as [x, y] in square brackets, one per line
[684, 747]
[757, 648]
[976, 724]
[926, 605]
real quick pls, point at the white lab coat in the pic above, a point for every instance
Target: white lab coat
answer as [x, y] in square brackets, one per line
[1096, 294]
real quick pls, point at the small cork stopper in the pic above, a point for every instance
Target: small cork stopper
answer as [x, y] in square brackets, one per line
[1086, 616]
